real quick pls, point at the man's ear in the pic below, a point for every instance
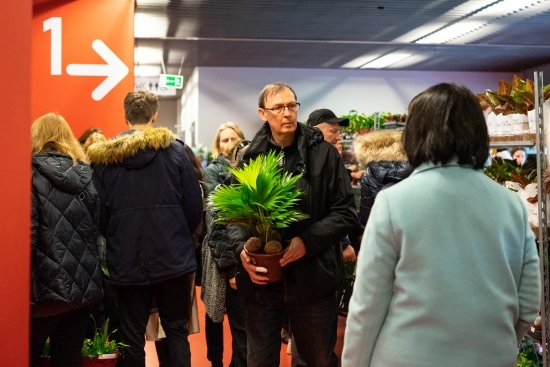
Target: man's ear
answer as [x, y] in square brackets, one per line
[262, 114]
[125, 119]
[154, 118]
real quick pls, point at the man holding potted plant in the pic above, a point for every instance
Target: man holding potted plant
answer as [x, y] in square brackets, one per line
[313, 263]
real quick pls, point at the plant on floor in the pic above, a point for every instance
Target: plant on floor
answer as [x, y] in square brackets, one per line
[263, 201]
[100, 343]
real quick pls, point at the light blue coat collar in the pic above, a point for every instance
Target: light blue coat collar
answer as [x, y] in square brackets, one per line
[453, 162]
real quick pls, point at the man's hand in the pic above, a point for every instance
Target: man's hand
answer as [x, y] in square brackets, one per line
[233, 283]
[296, 250]
[253, 270]
[349, 254]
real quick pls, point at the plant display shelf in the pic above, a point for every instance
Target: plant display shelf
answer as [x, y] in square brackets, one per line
[543, 237]
[507, 144]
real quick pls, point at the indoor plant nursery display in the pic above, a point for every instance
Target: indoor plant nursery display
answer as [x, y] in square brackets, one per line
[263, 201]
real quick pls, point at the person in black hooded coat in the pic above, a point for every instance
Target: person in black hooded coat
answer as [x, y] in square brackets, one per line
[386, 164]
[65, 273]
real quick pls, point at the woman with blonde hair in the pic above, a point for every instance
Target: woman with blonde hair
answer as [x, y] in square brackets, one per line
[227, 136]
[65, 273]
[219, 288]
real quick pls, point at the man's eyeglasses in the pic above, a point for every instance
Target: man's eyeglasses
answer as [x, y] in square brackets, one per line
[292, 107]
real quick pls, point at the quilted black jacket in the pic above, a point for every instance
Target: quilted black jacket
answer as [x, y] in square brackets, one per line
[220, 244]
[216, 173]
[65, 211]
[378, 176]
[386, 164]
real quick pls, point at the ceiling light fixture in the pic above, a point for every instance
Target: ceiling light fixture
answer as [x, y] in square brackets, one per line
[386, 61]
[147, 71]
[148, 25]
[359, 61]
[485, 21]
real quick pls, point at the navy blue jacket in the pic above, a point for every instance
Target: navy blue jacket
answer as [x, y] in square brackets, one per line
[151, 204]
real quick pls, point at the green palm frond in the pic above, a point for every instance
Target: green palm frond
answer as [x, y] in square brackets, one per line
[264, 199]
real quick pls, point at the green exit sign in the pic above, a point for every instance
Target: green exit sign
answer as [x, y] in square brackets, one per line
[171, 81]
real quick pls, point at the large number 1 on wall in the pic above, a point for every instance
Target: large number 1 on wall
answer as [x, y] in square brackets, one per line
[54, 25]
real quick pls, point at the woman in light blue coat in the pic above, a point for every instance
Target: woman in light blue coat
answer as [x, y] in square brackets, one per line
[448, 273]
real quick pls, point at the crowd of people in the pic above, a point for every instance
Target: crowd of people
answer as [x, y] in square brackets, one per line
[439, 279]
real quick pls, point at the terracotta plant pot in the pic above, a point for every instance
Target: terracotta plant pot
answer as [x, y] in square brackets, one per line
[106, 360]
[270, 262]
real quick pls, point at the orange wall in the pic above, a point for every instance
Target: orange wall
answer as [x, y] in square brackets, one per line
[82, 22]
[15, 102]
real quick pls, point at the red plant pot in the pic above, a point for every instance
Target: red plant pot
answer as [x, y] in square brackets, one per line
[270, 262]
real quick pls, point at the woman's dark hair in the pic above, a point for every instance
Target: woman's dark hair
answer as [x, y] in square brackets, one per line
[445, 121]
[515, 149]
[194, 162]
[86, 134]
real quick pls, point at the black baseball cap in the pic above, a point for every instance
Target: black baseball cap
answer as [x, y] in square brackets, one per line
[324, 115]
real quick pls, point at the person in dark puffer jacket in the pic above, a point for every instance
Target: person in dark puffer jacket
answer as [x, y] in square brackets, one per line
[65, 273]
[386, 164]
[219, 289]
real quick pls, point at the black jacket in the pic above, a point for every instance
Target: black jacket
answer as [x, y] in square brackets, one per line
[65, 208]
[380, 175]
[216, 173]
[386, 164]
[328, 200]
[216, 234]
[220, 245]
[151, 204]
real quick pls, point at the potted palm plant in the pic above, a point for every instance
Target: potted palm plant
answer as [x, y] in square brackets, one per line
[263, 201]
[100, 351]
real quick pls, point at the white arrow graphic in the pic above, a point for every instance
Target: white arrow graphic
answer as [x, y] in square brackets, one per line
[115, 70]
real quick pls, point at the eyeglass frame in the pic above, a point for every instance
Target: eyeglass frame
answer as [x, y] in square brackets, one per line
[281, 109]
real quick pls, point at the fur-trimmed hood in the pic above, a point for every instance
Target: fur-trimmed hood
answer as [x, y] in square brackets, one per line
[383, 145]
[124, 147]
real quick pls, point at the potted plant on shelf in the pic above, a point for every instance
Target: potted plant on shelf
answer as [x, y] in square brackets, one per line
[359, 123]
[100, 351]
[263, 201]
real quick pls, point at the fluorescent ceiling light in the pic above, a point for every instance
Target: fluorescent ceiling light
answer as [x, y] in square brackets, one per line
[150, 26]
[482, 23]
[414, 59]
[360, 61]
[386, 61]
[451, 32]
[148, 55]
[152, 2]
[505, 7]
[147, 71]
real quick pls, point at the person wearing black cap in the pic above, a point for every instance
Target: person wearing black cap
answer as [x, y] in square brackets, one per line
[326, 121]
[313, 264]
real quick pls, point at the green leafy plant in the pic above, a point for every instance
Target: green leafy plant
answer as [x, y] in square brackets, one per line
[360, 121]
[100, 344]
[502, 170]
[515, 97]
[528, 354]
[46, 350]
[263, 201]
